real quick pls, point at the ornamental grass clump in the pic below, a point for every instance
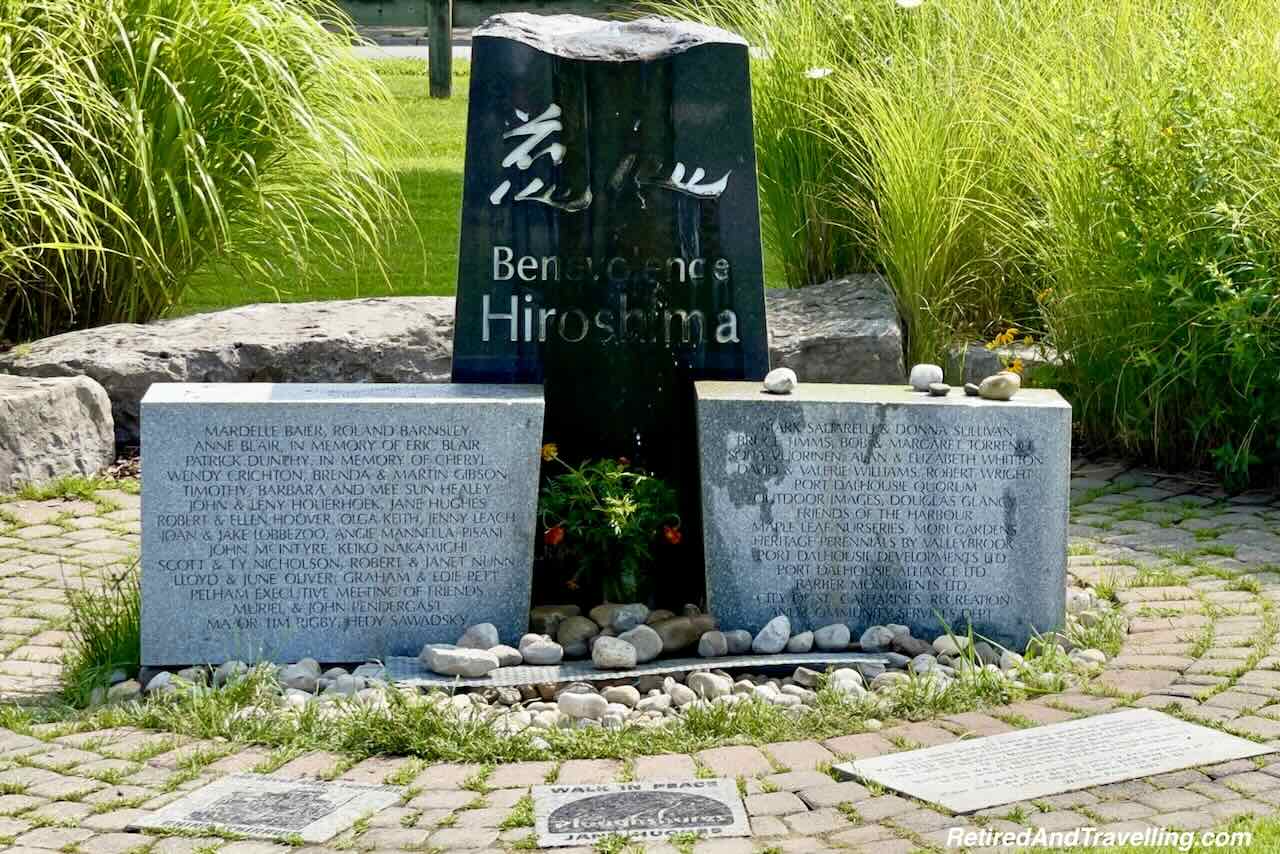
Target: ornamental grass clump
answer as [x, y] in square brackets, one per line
[1101, 176]
[143, 139]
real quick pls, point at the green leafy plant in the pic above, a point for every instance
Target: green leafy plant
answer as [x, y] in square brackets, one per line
[603, 519]
[106, 633]
[1100, 176]
[141, 140]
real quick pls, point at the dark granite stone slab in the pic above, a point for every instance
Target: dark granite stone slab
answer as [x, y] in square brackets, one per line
[610, 243]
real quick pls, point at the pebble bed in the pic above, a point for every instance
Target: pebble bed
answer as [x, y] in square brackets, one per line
[650, 701]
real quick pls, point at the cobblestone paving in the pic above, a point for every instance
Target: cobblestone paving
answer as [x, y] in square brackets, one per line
[1197, 573]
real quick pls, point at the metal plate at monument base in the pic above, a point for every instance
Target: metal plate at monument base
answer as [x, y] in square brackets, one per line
[271, 808]
[578, 815]
[870, 505]
[1035, 763]
[610, 244]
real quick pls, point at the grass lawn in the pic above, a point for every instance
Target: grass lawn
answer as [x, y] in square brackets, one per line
[423, 256]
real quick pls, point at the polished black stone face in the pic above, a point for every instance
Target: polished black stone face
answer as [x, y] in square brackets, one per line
[610, 230]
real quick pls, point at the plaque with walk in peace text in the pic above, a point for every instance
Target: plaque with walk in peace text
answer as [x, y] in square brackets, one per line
[340, 522]
[610, 244]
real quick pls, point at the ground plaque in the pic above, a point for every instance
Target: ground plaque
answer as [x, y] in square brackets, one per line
[1034, 763]
[341, 522]
[610, 244]
[271, 808]
[578, 815]
[869, 505]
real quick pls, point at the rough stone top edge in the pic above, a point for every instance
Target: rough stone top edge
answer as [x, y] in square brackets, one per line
[340, 393]
[896, 395]
[576, 37]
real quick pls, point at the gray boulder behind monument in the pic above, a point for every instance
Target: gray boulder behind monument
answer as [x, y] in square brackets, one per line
[846, 330]
[52, 427]
[392, 340]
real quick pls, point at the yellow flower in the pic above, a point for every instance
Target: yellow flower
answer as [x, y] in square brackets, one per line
[1027, 341]
[1016, 367]
[549, 452]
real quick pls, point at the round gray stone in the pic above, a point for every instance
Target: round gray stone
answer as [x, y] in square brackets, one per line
[647, 643]
[773, 637]
[924, 375]
[613, 654]
[800, 643]
[876, 639]
[467, 663]
[739, 641]
[713, 645]
[781, 381]
[582, 706]
[479, 636]
[833, 638]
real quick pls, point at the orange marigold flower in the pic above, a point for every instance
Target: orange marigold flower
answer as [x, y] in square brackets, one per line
[571, 584]
[672, 534]
[550, 451]
[554, 535]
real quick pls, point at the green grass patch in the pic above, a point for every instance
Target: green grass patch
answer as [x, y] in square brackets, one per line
[106, 634]
[414, 726]
[1106, 633]
[430, 137]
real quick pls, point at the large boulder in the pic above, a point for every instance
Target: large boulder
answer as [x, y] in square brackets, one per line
[846, 330]
[392, 340]
[52, 427]
[843, 331]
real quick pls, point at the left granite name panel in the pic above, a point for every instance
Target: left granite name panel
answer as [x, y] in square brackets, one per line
[340, 522]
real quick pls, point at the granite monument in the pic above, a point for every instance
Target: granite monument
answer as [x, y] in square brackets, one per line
[871, 505]
[340, 522]
[610, 243]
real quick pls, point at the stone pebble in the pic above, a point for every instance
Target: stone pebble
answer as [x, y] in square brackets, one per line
[1001, 386]
[925, 375]
[781, 381]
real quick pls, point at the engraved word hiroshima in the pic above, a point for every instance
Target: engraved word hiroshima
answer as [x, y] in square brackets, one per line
[516, 319]
[870, 514]
[316, 526]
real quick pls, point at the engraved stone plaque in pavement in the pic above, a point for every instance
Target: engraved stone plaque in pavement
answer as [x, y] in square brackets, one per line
[577, 815]
[1034, 763]
[272, 808]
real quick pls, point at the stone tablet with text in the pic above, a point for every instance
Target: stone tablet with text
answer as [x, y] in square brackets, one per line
[867, 505]
[263, 807]
[579, 815]
[610, 244]
[1028, 764]
[340, 522]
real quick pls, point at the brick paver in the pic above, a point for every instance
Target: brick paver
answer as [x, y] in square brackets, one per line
[1197, 573]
